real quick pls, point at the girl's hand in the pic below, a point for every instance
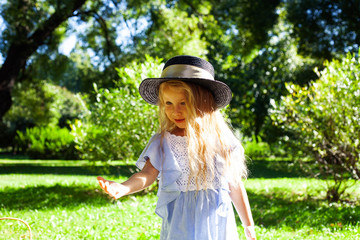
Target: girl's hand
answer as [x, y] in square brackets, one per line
[250, 233]
[112, 188]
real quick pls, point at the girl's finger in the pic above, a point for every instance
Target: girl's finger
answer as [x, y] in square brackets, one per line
[117, 196]
[106, 186]
[250, 232]
[101, 183]
[110, 189]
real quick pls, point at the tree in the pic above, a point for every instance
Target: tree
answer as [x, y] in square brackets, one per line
[258, 69]
[292, 37]
[34, 31]
[27, 38]
[325, 28]
[264, 78]
[236, 36]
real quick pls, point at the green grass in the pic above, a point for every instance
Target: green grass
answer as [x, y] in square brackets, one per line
[61, 200]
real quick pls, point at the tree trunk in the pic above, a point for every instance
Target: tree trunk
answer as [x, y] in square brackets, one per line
[5, 101]
[21, 49]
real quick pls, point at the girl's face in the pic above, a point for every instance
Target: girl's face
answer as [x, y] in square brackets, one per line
[175, 106]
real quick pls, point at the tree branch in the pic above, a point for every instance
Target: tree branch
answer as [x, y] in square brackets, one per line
[104, 28]
[21, 49]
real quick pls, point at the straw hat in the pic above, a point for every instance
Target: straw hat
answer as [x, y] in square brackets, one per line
[188, 69]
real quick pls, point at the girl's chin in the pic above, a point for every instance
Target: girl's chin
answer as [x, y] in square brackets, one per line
[181, 125]
[179, 131]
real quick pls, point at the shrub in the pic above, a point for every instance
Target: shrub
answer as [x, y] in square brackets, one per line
[71, 107]
[34, 103]
[39, 104]
[121, 122]
[325, 119]
[257, 149]
[50, 142]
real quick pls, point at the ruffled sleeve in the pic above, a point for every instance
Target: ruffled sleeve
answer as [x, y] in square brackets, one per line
[151, 152]
[162, 158]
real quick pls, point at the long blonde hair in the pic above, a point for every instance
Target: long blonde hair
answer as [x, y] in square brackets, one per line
[208, 135]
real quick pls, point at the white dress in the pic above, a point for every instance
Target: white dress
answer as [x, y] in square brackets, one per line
[188, 214]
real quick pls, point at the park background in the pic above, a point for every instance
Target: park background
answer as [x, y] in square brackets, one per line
[70, 109]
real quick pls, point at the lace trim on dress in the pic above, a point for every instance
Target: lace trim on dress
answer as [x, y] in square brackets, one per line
[178, 146]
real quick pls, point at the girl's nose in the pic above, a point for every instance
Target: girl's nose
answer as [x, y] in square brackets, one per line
[177, 109]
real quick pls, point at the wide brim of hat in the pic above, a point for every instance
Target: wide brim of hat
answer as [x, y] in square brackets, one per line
[149, 89]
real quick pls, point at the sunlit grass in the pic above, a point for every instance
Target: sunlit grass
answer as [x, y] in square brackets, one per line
[67, 206]
[133, 219]
[294, 208]
[73, 207]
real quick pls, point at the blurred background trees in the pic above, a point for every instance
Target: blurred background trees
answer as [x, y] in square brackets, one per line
[54, 52]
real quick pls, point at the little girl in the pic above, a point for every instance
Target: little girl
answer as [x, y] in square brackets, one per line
[199, 162]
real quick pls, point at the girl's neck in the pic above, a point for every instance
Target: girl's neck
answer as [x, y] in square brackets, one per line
[178, 132]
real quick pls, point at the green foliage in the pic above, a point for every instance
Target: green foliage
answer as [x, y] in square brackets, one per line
[324, 28]
[257, 149]
[36, 103]
[238, 37]
[51, 142]
[186, 37]
[72, 106]
[325, 118]
[121, 122]
[240, 25]
[263, 78]
[39, 104]
[74, 72]
[21, 17]
[42, 103]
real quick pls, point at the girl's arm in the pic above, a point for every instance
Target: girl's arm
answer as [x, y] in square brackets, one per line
[135, 183]
[240, 200]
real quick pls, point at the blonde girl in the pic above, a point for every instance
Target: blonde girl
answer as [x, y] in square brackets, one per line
[198, 160]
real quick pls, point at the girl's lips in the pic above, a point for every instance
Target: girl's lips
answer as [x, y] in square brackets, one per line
[179, 120]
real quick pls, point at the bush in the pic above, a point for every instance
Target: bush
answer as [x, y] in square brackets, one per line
[35, 104]
[257, 149]
[39, 104]
[71, 107]
[325, 119]
[121, 122]
[47, 143]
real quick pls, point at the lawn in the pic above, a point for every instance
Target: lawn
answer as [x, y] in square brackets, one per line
[61, 200]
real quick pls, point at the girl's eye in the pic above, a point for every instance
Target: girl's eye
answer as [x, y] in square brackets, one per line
[183, 103]
[168, 103]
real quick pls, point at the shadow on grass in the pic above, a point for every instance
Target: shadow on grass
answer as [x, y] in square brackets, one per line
[9, 155]
[258, 169]
[57, 196]
[124, 170]
[271, 210]
[274, 169]
[44, 197]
